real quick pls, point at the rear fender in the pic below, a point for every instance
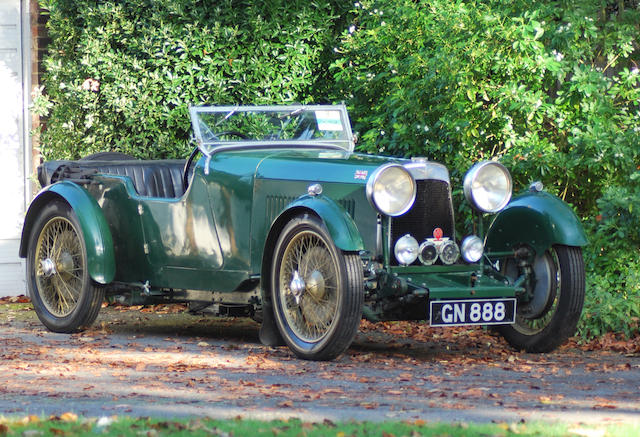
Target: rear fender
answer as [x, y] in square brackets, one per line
[537, 219]
[95, 230]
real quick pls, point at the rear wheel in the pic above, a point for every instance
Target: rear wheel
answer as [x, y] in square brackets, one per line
[550, 315]
[318, 290]
[60, 287]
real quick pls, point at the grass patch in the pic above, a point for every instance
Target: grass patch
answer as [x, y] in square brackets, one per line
[69, 424]
[20, 312]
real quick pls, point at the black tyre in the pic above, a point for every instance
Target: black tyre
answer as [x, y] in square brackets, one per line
[550, 317]
[317, 289]
[61, 290]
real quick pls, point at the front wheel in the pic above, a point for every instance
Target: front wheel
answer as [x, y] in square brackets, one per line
[318, 290]
[550, 315]
[61, 290]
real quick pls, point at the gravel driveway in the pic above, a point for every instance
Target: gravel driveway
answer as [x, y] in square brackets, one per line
[167, 363]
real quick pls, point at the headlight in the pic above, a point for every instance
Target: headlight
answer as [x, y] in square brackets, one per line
[487, 186]
[391, 189]
[406, 250]
[472, 249]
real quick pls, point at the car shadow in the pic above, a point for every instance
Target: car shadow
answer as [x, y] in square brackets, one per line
[180, 324]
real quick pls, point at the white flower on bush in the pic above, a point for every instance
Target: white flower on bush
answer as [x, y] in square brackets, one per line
[635, 70]
[91, 84]
[352, 28]
[88, 121]
[559, 56]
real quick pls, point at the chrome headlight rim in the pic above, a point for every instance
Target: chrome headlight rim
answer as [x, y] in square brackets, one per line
[428, 261]
[449, 252]
[472, 249]
[406, 245]
[371, 189]
[473, 174]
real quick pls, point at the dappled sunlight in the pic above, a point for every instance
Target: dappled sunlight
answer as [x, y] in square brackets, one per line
[394, 371]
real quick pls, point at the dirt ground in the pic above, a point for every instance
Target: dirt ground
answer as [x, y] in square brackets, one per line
[165, 362]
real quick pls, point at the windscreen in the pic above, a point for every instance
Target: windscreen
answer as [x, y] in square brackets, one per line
[286, 125]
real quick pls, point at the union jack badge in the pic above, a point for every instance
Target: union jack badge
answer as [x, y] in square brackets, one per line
[361, 174]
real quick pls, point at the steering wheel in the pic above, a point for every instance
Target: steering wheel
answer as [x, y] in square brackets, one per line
[194, 153]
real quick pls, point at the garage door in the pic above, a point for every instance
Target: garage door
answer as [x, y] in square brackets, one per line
[12, 175]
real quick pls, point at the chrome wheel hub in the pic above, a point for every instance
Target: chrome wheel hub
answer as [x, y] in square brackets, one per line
[315, 285]
[297, 287]
[48, 267]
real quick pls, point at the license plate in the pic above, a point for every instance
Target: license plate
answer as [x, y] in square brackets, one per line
[472, 312]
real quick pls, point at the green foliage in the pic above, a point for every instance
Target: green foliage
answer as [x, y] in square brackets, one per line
[121, 74]
[550, 89]
[519, 81]
[613, 299]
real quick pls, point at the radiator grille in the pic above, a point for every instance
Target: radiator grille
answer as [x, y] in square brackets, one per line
[432, 209]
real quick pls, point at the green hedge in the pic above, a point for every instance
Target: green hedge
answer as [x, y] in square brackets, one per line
[121, 74]
[521, 81]
[552, 89]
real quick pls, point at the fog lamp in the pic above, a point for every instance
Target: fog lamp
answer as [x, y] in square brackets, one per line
[472, 249]
[428, 253]
[406, 250]
[449, 252]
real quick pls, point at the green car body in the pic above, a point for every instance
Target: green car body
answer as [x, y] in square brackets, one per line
[212, 243]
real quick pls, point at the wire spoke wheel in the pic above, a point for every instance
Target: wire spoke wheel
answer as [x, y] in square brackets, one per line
[60, 270]
[61, 290]
[309, 312]
[317, 290]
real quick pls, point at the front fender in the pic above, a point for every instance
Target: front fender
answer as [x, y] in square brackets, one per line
[340, 225]
[95, 230]
[537, 219]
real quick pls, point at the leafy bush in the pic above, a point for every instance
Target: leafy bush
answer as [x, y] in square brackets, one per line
[121, 74]
[550, 89]
[613, 299]
[519, 81]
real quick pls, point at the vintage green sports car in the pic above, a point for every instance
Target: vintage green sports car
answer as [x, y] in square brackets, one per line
[274, 216]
